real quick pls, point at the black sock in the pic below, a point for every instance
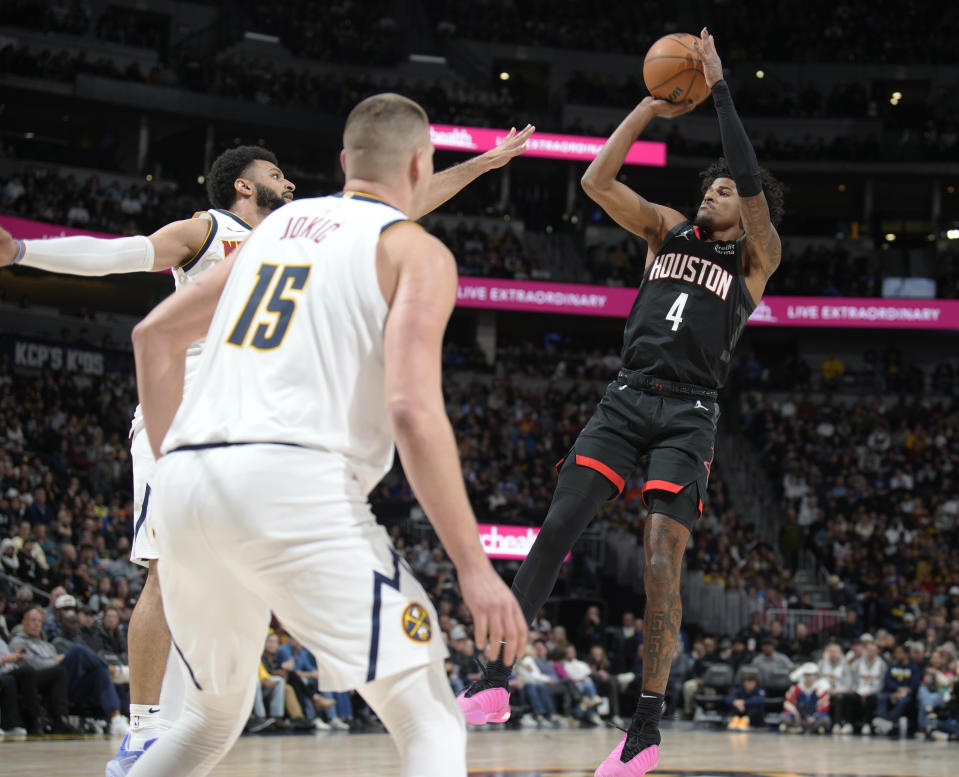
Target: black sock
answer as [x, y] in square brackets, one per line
[644, 728]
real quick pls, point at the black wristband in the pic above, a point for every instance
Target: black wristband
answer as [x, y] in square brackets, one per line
[739, 152]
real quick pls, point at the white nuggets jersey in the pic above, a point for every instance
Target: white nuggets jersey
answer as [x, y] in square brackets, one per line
[225, 233]
[294, 353]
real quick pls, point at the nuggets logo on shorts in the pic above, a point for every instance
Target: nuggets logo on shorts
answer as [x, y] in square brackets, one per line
[416, 623]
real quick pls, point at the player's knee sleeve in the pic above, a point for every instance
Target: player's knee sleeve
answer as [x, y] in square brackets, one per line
[420, 712]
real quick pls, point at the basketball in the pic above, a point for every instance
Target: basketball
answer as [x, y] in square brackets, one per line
[673, 70]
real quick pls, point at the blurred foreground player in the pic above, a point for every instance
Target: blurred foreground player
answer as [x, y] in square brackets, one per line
[325, 343]
[702, 281]
[245, 184]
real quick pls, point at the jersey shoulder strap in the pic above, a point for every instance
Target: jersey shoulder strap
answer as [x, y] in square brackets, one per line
[210, 234]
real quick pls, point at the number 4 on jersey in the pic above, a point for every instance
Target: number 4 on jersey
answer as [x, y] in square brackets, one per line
[675, 313]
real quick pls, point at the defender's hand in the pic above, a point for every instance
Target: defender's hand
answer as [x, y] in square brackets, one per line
[512, 145]
[665, 109]
[712, 66]
[497, 616]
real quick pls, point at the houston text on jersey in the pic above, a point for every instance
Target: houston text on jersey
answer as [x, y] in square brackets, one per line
[693, 269]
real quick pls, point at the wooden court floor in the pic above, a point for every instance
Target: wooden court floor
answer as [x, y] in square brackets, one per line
[526, 753]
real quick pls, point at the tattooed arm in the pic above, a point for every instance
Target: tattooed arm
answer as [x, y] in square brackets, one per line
[763, 249]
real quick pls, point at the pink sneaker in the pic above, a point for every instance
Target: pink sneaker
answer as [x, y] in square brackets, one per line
[487, 706]
[642, 763]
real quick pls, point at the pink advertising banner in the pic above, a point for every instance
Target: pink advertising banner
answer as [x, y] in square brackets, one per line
[27, 229]
[857, 312]
[544, 144]
[615, 302]
[502, 541]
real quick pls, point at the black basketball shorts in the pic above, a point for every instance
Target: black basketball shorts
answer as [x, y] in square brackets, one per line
[678, 434]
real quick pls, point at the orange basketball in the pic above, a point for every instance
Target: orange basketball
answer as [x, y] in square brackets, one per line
[673, 70]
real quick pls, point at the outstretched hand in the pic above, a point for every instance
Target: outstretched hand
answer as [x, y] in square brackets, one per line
[666, 109]
[712, 65]
[512, 145]
[8, 248]
[497, 617]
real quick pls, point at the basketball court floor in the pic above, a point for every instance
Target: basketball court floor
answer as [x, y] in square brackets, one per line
[527, 753]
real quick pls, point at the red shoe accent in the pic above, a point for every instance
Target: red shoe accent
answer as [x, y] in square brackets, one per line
[642, 763]
[489, 706]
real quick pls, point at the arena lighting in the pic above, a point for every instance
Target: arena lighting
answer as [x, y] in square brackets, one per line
[201, 179]
[897, 96]
[950, 190]
[149, 177]
[28, 135]
[760, 74]
[842, 187]
[952, 234]
[890, 236]
[504, 76]
[579, 148]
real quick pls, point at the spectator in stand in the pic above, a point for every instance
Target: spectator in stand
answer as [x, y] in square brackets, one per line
[579, 673]
[295, 658]
[803, 645]
[747, 702]
[694, 684]
[832, 371]
[838, 674]
[806, 708]
[899, 690]
[563, 692]
[754, 633]
[463, 659]
[771, 663]
[21, 690]
[607, 684]
[88, 677]
[870, 674]
[270, 692]
[536, 688]
[589, 633]
[938, 681]
[626, 642]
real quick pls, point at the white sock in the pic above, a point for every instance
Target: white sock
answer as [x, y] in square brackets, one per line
[145, 724]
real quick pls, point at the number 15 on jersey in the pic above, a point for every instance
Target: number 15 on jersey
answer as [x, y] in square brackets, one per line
[269, 334]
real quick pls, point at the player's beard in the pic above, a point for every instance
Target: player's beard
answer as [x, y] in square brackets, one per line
[704, 220]
[268, 199]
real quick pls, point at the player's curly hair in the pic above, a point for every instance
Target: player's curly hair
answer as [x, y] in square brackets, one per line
[772, 188]
[229, 166]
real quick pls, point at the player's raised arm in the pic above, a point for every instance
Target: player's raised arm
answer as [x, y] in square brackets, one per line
[160, 341]
[763, 248]
[168, 247]
[418, 277]
[448, 183]
[625, 206]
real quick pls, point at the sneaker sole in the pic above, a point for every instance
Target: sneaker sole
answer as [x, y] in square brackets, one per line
[475, 714]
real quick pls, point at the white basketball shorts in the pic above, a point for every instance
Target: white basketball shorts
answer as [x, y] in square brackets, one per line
[249, 529]
[143, 548]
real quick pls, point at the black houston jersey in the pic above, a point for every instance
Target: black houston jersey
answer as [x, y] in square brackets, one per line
[690, 311]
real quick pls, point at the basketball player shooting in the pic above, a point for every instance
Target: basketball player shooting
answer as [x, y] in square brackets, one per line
[323, 345]
[702, 280]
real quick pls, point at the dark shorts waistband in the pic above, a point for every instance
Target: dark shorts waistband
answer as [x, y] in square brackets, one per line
[653, 385]
[208, 445]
